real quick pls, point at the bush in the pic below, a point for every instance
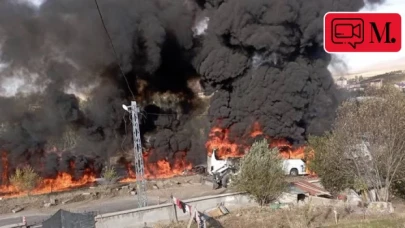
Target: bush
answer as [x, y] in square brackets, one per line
[25, 179]
[110, 175]
[261, 173]
[331, 167]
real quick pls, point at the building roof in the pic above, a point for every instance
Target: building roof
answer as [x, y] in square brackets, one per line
[310, 188]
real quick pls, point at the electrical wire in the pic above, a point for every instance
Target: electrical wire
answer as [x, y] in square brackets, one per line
[113, 48]
[180, 114]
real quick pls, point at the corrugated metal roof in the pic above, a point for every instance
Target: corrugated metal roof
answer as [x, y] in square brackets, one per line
[311, 189]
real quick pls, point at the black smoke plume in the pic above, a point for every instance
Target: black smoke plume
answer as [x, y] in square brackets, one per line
[263, 59]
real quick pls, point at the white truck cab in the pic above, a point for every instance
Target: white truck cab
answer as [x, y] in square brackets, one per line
[294, 167]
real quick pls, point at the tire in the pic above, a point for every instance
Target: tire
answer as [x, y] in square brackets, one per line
[225, 180]
[294, 172]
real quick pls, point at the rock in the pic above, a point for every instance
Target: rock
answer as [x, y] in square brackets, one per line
[160, 184]
[47, 205]
[155, 186]
[17, 209]
[287, 198]
[353, 198]
[238, 215]
[380, 208]
[66, 201]
[86, 193]
[124, 187]
[53, 201]
[133, 193]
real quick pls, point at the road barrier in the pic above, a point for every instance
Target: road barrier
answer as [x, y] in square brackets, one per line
[167, 212]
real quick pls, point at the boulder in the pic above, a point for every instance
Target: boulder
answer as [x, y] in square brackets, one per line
[380, 208]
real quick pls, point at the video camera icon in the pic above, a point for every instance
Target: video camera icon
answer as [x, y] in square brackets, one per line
[348, 31]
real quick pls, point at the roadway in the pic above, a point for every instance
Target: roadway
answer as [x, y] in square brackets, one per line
[109, 205]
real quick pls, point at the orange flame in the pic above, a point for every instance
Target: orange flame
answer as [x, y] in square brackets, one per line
[160, 169]
[63, 181]
[219, 139]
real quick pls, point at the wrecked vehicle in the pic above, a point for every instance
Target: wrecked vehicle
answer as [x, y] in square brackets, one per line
[222, 169]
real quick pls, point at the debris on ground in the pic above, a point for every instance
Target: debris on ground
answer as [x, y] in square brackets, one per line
[17, 209]
[217, 212]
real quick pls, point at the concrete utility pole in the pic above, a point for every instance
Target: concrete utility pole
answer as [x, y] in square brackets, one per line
[139, 166]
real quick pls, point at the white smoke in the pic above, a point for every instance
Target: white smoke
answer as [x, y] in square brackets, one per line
[201, 26]
[33, 3]
[19, 83]
[258, 59]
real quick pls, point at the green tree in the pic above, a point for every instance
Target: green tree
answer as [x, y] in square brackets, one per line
[25, 179]
[327, 164]
[261, 174]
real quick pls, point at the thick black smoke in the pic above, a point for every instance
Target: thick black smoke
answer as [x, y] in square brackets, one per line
[264, 59]
[266, 62]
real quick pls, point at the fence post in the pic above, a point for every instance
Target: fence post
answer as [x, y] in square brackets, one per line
[174, 208]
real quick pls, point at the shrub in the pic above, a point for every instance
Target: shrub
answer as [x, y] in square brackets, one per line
[110, 175]
[25, 179]
[261, 173]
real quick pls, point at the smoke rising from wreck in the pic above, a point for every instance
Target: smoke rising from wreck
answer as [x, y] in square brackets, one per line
[263, 59]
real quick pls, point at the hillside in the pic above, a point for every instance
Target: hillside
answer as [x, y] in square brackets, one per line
[388, 78]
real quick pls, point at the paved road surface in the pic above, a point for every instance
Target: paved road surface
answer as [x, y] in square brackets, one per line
[111, 205]
[116, 204]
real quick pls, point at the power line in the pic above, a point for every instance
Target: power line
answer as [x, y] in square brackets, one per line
[194, 115]
[112, 45]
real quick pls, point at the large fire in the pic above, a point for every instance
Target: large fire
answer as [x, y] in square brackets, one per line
[165, 168]
[62, 181]
[219, 139]
[65, 180]
[162, 168]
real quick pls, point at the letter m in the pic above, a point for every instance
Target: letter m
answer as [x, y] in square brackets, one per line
[379, 35]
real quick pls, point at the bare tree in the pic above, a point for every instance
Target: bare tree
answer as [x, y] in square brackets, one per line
[261, 173]
[368, 139]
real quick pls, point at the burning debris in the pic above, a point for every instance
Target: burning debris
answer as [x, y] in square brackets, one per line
[60, 84]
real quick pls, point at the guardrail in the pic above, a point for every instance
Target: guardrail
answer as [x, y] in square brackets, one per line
[168, 211]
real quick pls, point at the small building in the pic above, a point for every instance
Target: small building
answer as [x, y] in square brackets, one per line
[400, 86]
[341, 82]
[378, 83]
[355, 87]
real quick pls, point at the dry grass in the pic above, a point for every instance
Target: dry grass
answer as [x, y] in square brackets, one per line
[302, 217]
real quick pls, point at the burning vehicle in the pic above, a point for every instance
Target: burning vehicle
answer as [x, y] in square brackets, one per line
[223, 169]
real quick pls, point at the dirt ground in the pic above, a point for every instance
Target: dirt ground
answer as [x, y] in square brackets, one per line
[161, 189]
[301, 217]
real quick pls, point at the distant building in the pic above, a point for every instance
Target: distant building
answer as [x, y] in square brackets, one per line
[376, 83]
[355, 87]
[342, 82]
[400, 86]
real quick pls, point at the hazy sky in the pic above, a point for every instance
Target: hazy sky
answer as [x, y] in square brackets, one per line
[361, 61]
